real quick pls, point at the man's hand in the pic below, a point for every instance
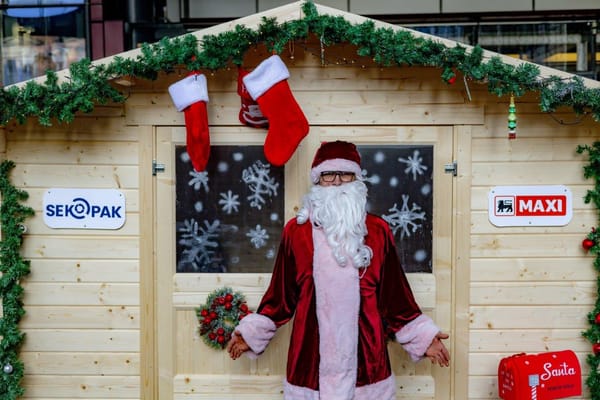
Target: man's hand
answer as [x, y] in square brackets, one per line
[237, 346]
[437, 351]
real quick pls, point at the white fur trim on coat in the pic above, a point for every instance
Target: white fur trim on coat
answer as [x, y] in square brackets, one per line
[188, 91]
[257, 330]
[337, 293]
[416, 336]
[265, 75]
[335, 164]
[382, 390]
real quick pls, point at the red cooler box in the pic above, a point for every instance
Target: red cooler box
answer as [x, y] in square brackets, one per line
[543, 376]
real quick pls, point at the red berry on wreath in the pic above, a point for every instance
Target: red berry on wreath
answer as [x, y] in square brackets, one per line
[213, 315]
[587, 244]
[221, 301]
[244, 308]
[212, 336]
[597, 319]
[452, 80]
[228, 306]
[596, 348]
[220, 331]
[204, 312]
[228, 297]
[221, 339]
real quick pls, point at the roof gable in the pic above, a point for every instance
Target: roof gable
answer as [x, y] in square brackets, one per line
[220, 45]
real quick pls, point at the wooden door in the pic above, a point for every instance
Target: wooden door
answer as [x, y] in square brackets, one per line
[190, 369]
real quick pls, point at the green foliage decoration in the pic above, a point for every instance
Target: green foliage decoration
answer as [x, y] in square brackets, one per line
[89, 84]
[13, 268]
[592, 245]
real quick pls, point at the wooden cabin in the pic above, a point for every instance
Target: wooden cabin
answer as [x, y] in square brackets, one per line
[111, 311]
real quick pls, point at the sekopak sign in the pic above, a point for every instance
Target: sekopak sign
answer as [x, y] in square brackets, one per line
[530, 205]
[84, 208]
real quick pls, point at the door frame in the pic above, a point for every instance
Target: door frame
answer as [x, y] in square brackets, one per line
[157, 340]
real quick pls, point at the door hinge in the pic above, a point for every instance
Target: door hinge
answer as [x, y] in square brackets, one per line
[451, 168]
[157, 167]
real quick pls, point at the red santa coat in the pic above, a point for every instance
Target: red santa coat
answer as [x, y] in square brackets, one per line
[386, 308]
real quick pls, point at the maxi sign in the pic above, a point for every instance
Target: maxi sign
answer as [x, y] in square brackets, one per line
[84, 208]
[530, 205]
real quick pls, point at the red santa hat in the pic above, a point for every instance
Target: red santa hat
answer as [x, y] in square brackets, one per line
[336, 156]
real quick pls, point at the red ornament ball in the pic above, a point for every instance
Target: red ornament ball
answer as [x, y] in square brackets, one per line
[597, 319]
[596, 348]
[587, 244]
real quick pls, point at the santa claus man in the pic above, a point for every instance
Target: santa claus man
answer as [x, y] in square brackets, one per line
[338, 275]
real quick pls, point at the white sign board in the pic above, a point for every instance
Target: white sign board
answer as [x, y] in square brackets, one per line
[84, 208]
[530, 205]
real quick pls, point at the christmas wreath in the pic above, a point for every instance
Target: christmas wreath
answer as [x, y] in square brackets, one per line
[220, 315]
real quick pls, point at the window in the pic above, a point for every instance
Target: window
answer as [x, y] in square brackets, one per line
[229, 218]
[400, 183]
[569, 46]
[40, 35]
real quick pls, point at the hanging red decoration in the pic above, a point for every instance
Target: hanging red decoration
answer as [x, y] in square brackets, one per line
[590, 240]
[587, 244]
[596, 348]
[597, 319]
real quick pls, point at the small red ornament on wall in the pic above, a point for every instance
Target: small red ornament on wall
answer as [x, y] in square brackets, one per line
[589, 241]
[596, 348]
[587, 244]
[597, 319]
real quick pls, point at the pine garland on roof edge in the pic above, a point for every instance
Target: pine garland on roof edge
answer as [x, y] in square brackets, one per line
[89, 84]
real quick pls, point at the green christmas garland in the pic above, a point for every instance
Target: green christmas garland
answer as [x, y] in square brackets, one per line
[13, 268]
[592, 244]
[89, 84]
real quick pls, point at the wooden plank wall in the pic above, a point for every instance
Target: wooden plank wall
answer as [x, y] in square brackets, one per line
[530, 287]
[82, 298]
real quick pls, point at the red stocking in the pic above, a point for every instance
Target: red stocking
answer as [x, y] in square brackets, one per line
[268, 85]
[190, 95]
[250, 113]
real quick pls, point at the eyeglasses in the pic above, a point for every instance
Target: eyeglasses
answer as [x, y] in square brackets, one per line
[329, 176]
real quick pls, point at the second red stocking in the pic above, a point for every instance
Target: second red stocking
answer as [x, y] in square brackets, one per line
[268, 85]
[250, 113]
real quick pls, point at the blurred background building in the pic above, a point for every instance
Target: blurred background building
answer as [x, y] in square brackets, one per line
[36, 35]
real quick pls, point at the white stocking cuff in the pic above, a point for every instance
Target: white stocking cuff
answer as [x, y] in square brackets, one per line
[265, 76]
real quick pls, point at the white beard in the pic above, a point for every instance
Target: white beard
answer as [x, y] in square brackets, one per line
[340, 211]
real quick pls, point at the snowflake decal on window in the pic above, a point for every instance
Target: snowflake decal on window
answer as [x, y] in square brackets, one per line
[199, 180]
[404, 219]
[258, 236]
[414, 164]
[200, 245]
[229, 202]
[261, 184]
